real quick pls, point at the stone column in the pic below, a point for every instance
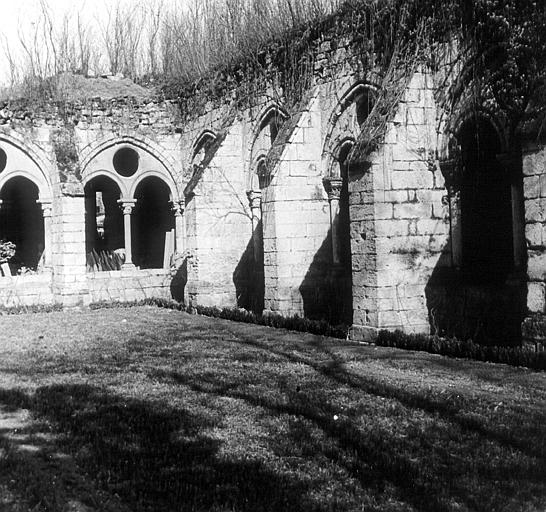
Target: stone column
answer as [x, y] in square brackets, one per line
[178, 208]
[450, 171]
[333, 185]
[255, 201]
[46, 212]
[127, 205]
[512, 164]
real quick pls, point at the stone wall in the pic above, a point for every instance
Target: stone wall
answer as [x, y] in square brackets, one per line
[26, 290]
[534, 182]
[128, 285]
[404, 235]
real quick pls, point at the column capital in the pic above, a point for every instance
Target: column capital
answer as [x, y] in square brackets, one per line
[178, 207]
[254, 198]
[332, 185]
[46, 205]
[127, 204]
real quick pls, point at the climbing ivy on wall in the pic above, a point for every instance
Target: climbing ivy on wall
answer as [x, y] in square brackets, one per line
[500, 47]
[66, 153]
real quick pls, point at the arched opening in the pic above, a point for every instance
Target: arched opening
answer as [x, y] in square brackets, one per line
[21, 222]
[486, 211]
[364, 100]
[152, 224]
[201, 148]
[104, 239]
[271, 125]
[341, 230]
[344, 228]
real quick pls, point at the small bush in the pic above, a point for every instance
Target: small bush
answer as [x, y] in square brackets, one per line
[36, 308]
[515, 356]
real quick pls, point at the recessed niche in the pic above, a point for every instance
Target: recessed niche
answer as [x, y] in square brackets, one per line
[126, 162]
[3, 159]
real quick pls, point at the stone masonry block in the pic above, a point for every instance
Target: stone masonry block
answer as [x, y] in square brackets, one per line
[384, 210]
[400, 152]
[532, 187]
[432, 226]
[535, 234]
[535, 210]
[534, 163]
[391, 228]
[412, 179]
[415, 116]
[536, 297]
[536, 266]
[412, 211]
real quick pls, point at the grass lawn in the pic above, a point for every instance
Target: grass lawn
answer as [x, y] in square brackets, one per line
[146, 409]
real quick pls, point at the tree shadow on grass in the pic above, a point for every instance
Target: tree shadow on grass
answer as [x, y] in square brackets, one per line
[448, 407]
[152, 456]
[380, 459]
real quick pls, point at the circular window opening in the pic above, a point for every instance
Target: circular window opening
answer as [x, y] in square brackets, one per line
[3, 160]
[126, 162]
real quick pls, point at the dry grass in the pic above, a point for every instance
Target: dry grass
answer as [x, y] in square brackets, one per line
[151, 409]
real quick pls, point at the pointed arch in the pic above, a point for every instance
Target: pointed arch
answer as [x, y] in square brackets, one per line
[271, 113]
[343, 126]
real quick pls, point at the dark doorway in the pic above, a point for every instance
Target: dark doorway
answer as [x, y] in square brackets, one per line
[21, 222]
[486, 209]
[344, 287]
[152, 225]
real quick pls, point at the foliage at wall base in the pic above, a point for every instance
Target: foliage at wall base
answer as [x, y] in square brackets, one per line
[514, 356]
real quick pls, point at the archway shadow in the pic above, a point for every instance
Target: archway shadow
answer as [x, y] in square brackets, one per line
[487, 313]
[326, 289]
[248, 276]
[179, 281]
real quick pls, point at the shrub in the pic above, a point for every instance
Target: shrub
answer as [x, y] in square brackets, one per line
[515, 356]
[35, 308]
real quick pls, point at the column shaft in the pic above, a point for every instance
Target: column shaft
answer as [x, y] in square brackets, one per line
[127, 205]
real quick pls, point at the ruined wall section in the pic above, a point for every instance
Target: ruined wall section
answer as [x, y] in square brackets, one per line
[296, 221]
[219, 226]
[399, 221]
[64, 133]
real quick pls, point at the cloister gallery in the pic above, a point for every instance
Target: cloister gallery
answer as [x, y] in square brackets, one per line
[442, 227]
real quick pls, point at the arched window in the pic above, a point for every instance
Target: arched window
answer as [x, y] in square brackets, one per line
[266, 134]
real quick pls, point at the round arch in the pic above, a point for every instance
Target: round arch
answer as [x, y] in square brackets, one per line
[148, 174]
[22, 159]
[153, 223]
[339, 155]
[122, 185]
[143, 143]
[22, 222]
